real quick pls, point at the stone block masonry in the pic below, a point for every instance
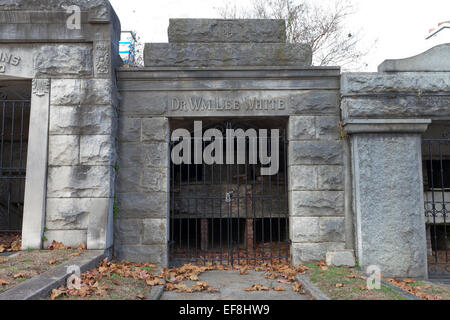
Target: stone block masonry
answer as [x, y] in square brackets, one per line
[69, 195]
[142, 189]
[316, 187]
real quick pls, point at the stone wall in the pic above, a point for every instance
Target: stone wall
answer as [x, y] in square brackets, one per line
[213, 62]
[70, 190]
[385, 115]
[142, 189]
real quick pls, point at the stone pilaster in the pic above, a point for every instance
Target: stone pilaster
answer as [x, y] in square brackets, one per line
[142, 190]
[315, 187]
[388, 195]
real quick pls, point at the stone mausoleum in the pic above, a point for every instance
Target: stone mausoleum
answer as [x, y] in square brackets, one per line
[86, 143]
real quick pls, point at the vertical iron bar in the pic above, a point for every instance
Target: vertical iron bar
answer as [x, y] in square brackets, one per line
[433, 200]
[286, 199]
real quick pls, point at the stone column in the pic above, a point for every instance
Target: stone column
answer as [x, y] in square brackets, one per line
[35, 184]
[316, 184]
[388, 195]
[141, 225]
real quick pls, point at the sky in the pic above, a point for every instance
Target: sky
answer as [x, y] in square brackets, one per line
[392, 29]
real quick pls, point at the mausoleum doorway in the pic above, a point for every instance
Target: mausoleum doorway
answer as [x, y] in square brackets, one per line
[228, 210]
[14, 126]
[436, 176]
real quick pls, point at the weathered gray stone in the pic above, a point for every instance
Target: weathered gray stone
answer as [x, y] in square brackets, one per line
[303, 178]
[71, 238]
[155, 129]
[142, 205]
[99, 120]
[315, 102]
[327, 128]
[236, 30]
[315, 152]
[227, 54]
[331, 229]
[143, 155]
[411, 82]
[390, 223]
[136, 180]
[58, 60]
[97, 150]
[37, 161]
[316, 203]
[127, 231]
[311, 252]
[435, 59]
[100, 227]
[330, 178]
[316, 229]
[154, 179]
[304, 229]
[52, 5]
[97, 92]
[154, 231]
[68, 213]
[63, 150]
[65, 92]
[156, 254]
[129, 129]
[80, 182]
[397, 107]
[128, 180]
[137, 103]
[341, 258]
[302, 128]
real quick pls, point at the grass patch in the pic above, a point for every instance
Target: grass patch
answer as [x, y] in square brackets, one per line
[342, 283]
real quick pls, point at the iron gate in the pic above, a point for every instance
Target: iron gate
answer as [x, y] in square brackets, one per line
[436, 154]
[229, 213]
[13, 157]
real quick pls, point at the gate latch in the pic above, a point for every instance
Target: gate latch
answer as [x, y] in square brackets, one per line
[228, 197]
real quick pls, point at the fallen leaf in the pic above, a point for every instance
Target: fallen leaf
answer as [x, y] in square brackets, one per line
[279, 289]
[339, 285]
[21, 274]
[54, 261]
[76, 254]
[81, 246]
[350, 276]
[154, 282]
[297, 286]
[55, 294]
[257, 287]
[243, 270]
[140, 296]
[3, 282]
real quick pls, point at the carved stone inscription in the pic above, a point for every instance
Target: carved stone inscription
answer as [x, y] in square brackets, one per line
[248, 105]
[8, 59]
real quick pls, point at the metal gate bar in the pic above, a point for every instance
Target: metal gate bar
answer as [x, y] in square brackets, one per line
[228, 213]
[437, 202]
[13, 152]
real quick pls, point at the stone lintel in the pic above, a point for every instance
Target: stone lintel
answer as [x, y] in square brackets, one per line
[226, 30]
[386, 125]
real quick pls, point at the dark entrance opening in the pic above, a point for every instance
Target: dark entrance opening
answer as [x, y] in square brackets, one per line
[436, 172]
[14, 125]
[230, 213]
